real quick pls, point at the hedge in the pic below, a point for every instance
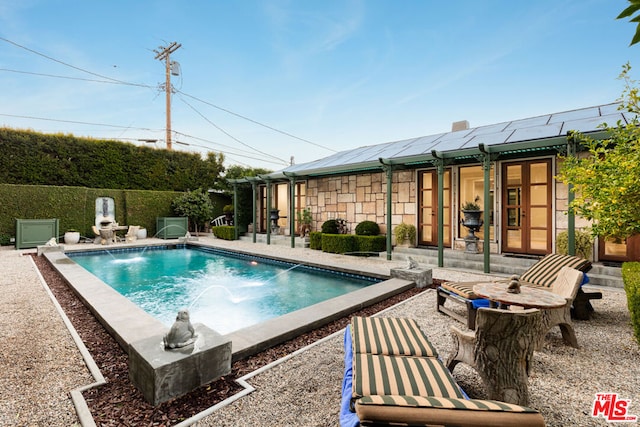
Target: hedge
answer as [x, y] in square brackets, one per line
[315, 240]
[349, 243]
[75, 207]
[338, 243]
[631, 279]
[226, 232]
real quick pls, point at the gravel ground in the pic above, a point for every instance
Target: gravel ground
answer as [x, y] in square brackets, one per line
[41, 365]
[39, 361]
[562, 385]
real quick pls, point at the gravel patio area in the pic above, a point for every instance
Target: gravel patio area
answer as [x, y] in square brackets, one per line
[41, 364]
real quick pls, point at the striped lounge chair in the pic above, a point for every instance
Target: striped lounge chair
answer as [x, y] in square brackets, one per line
[393, 376]
[542, 274]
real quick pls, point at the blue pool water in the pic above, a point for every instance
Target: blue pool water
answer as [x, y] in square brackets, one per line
[222, 290]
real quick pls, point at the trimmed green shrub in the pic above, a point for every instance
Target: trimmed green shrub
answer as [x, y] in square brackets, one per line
[584, 243]
[631, 279]
[338, 243]
[330, 226]
[226, 232]
[367, 228]
[405, 233]
[315, 240]
[371, 243]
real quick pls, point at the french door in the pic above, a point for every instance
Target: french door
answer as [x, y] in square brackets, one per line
[428, 208]
[619, 251]
[526, 207]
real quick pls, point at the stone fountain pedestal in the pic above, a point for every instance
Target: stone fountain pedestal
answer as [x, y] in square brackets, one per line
[162, 374]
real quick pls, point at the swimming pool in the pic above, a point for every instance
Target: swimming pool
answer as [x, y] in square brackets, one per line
[224, 290]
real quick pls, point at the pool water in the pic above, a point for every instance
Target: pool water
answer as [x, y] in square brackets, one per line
[222, 290]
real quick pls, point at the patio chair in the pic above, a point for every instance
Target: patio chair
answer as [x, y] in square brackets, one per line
[566, 285]
[541, 274]
[132, 233]
[500, 350]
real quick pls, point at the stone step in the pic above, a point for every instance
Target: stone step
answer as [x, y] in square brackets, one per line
[599, 275]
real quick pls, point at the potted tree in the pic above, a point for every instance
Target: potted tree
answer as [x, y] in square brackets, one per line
[304, 221]
[405, 234]
[227, 210]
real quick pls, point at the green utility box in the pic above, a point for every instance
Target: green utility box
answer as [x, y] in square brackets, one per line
[171, 227]
[30, 233]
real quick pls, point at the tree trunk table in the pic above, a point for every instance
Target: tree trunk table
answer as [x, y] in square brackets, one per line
[500, 350]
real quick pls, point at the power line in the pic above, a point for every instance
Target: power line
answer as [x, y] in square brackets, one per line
[74, 122]
[258, 123]
[77, 78]
[61, 62]
[116, 81]
[229, 135]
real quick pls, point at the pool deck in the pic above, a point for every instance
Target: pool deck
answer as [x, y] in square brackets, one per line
[128, 323]
[41, 357]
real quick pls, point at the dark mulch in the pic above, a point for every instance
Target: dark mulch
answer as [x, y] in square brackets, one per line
[119, 403]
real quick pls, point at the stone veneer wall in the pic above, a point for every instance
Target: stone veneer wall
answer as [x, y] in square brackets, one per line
[362, 197]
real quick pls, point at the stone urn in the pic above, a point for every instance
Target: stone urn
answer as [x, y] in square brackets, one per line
[141, 233]
[473, 221]
[72, 237]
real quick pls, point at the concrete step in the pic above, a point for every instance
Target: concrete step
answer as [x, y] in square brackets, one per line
[599, 275]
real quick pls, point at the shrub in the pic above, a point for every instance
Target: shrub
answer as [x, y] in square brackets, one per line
[584, 243]
[338, 243]
[330, 227]
[367, 228]
[631, 279]
[226, 232]
[315, 240]
[405, 233]
[371, 243]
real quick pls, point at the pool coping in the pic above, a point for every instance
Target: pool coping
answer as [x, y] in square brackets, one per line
[128, 323]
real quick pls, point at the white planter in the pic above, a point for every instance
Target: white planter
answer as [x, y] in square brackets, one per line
[72, 237]
[141, 233]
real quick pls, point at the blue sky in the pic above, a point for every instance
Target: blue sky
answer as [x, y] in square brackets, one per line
[262, 81]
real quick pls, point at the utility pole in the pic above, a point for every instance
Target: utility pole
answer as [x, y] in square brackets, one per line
[163, 54]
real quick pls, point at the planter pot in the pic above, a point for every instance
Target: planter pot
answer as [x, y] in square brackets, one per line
[141, 233]
[72, 237]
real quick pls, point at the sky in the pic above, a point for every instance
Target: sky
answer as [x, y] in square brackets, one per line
[268, 82]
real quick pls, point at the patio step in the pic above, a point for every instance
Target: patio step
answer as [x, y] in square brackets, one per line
[599, 275]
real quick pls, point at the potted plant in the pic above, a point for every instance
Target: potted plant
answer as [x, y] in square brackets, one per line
[304, 221]
[71, 236]
[141, 233]
[472, 220]
[227, 210]
[405, 234]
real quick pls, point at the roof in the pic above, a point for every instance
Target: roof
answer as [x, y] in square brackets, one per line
[531, 134]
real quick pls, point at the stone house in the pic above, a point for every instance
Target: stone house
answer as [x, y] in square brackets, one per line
[508, 168]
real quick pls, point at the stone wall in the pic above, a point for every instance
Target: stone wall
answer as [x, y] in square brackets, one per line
[362, 197]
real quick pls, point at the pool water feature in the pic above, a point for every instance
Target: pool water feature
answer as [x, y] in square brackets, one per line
[223, 290]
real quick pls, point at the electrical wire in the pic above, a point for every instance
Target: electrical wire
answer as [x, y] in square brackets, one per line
[116, 81]
[229, 135]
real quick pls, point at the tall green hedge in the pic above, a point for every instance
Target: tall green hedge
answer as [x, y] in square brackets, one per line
[75, 206]
[55, 159]
[631, 279]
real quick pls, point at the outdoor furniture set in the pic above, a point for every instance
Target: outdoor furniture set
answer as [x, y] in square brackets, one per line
[540, 275]
[109, 234]
[394, 376]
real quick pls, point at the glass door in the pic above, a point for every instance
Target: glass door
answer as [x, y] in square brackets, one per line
[526, 207]
[619, 251]
[428, 208]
